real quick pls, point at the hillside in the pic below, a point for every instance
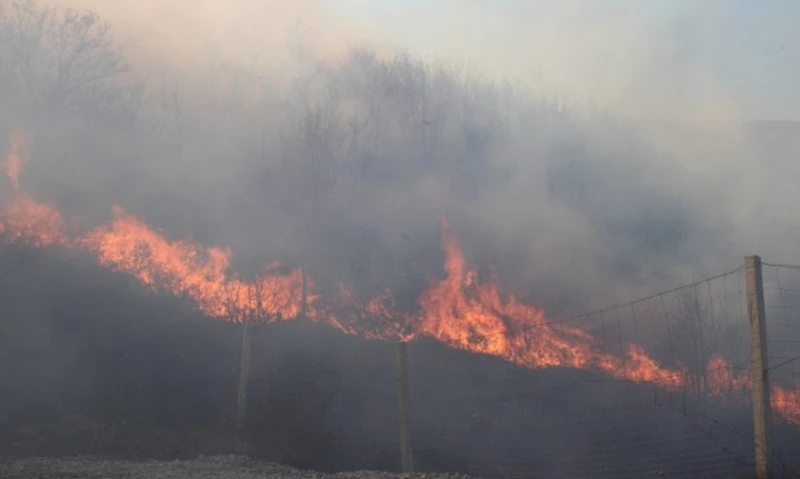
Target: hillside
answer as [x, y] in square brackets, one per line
[95, 364]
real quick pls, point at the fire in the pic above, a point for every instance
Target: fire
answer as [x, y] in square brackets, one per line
[721, 378]
[466, 314]
[458, 310]
[185, 269]
[374, 319]
[28, 222]
[786, 403]
[24, 220]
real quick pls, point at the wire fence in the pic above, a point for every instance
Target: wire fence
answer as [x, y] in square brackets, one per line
[666, 392]
[641, 437]
[677, 407]
[639, 421]
[782, 299]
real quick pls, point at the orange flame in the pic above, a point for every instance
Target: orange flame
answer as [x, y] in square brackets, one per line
[721, 378]
[28, 222]
[786, 403]
[458, 310]
[184, 268]
[466, 314]
[24, 220]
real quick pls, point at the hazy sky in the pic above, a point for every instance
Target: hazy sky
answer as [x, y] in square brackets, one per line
[728, 59]
[750, 48]
[685, 61]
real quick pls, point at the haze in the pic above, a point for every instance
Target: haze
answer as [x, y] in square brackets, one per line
[581, 154]
[718, 57]
[604, 140]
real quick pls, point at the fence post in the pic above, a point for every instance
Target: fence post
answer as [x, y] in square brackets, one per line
[244, 376]
[762, 408]
[404, 404]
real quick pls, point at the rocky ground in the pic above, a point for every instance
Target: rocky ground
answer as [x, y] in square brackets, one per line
[215, 467]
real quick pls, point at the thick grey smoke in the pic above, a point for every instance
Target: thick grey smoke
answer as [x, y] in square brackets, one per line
[588, 154]
[615, 164]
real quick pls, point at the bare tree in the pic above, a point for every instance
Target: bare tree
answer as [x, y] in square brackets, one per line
[234, 304]
[64, 59]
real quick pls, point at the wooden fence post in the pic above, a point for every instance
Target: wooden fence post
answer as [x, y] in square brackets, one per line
[762, 408]
[404, 405]
[244, 376]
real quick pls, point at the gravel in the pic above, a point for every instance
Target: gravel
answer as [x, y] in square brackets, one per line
[216, 467]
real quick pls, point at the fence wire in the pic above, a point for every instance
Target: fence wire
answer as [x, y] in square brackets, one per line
[596, 423]
[494, 420]
[782, 302]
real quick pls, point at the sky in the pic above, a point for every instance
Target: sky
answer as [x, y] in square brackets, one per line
[718, 59]
[750, 48]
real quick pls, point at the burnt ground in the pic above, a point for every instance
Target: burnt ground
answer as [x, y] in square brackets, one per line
[93, 364]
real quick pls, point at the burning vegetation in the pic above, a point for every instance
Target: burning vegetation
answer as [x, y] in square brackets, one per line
[459, 310]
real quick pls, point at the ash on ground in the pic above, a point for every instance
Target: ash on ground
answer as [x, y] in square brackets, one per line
[213, 467]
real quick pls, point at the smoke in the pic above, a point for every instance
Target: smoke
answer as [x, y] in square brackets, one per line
[565, 193]
[615, 162]
[245, 33]
[651, 61]
[618, 151]
[585, 153]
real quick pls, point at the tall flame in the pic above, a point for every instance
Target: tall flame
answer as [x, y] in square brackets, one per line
[458, 310]
[464, 313]
[24, 220]
[184, 268]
